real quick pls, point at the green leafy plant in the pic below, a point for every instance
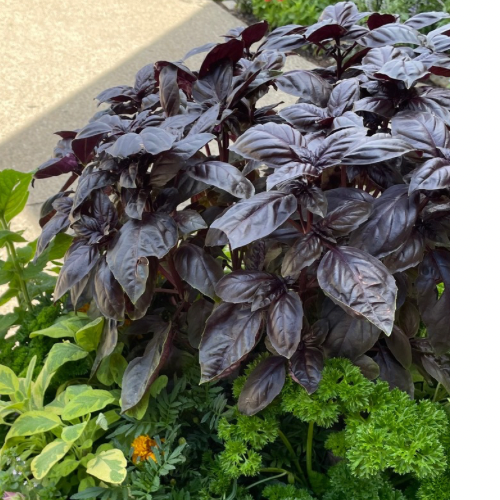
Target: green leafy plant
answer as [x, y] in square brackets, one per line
[27, 280]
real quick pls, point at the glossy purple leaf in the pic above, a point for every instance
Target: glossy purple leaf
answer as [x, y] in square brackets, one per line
[269, 143]
[284, 323]
[360, 284]
[137, 240]
[433, 174]
[262, 386]
[346, 217]
[399, 345]
[393, 373]
[424, 19]
[79, 260]
[189, 221]
[347, 337]
[198, 268]
[232, 50]
[231, 332]
[107, 344]
[241, 286]
[255, 218]
[306, 365]
[108, 293]
[142, 371]
[224, 176]
[391, 222]
[390, 34]
[87, 139]
[408, 255]
[303, 253]
[306, 85]
[343, 96]
[169, 90]
[58, 166]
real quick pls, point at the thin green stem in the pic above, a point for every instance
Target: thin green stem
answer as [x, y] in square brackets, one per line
[292, 453]
[283, 473]
[310, 434]
[436, 392]
[11, 251]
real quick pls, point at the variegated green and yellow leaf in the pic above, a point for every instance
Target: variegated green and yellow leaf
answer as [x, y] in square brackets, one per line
[109, 466]
[49, 456]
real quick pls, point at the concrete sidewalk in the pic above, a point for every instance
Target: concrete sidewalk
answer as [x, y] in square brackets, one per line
[57, 55]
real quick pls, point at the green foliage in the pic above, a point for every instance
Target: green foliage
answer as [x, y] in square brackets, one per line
[306, 12]
[344, 485]
[285, 492]
[17, 350]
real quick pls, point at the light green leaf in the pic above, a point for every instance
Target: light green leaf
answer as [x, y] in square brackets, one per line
[74, 390]
[49, 456]
[66, 467]
[109, 466]
[13, 193]
[102, 422]
[65, 326]
[158, 385]
[7, 235]
[87, 402]
[25, 383]
[117, 365]
[9, 383]
[88, 337]
[62, 353]
[9, 294]
[33, 422]
[72, 433]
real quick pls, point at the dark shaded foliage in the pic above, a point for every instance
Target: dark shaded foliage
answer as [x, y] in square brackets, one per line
[332, 212]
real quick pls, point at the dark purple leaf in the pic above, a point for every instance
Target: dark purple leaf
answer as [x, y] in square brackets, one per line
[344, 13]
[154, 235]
[58, 166]
[306, 366]
[254, 33]
[303, 253]
[262, 386]
[368, 367]
[241, 286]
[393, 373]
[374, 104]
[206, 121]
[375, 149]
[155, 140]
[230, 334]
[399, 344]
[436, 370]
[348, 337]
[377, 20]
[269, 143]
[136, 204]
[425, 19]
[107, 344]
[408, 255]
[108, 294]
[58, 224]
[390, 34]
[89, 182]
[143, 370]
[87, 139]
[189, 221]
[169, 90]
[122, 93]
[255, 218]
[343, 96]
[79, 260]
[284, 323]
[337, 197]
[128, 176]
[304, 116]
[126, 145]
[346, 217]
[306, 85]
[140, 308]
[324, 30]
[424, 131]
[348, 119]
[360, 284]
[199, 312]
[409, 319]
[232, 50]
[224, 176]
[433, 174]
[390, 224]
[432, 100]
[198, 268]
[404, 69]
[435, 309]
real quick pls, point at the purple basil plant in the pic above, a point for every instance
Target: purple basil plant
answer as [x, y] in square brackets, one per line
[314, 231]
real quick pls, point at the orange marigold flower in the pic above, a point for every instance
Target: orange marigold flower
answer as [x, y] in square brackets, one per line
[143, 448]
[84, 308]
